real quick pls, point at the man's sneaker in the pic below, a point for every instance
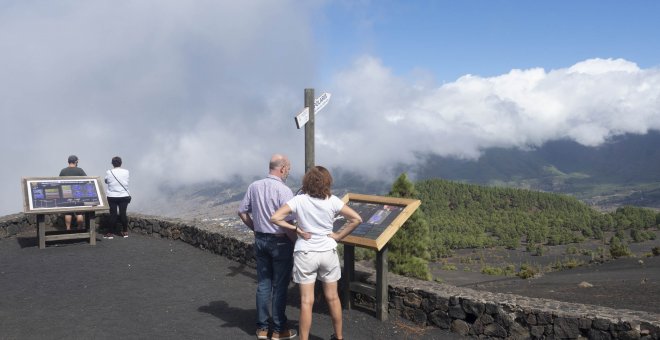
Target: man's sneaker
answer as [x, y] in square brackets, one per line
[108, 236]
[286, 334]
[124, 234]
[262, 334]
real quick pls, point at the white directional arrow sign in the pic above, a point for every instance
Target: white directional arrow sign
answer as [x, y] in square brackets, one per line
[319, 103]
[302, 118]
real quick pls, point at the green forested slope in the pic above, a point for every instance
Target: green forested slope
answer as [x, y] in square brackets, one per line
[473, 216]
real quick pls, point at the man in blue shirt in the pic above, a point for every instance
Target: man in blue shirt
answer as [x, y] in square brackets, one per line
[273, 247]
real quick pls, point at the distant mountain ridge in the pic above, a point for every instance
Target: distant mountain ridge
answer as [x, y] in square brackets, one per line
[626, 163]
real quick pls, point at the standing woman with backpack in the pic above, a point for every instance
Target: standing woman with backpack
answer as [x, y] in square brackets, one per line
[118, 196]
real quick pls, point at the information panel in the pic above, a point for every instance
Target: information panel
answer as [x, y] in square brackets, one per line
[381, 218]
[61, 194]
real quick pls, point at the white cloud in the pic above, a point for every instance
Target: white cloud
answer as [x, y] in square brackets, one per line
[392, 120]
[188, 92]
[183, 91]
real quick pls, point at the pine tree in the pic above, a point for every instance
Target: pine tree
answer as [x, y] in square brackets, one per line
[409, 248]
[618, 247]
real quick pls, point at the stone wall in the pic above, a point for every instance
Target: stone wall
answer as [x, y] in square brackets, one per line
[462, 310]
[12, 225]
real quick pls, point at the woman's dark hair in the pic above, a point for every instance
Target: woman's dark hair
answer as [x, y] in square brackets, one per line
[116, 161]
[317, 182]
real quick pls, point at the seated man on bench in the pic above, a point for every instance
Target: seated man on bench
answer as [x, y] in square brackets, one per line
[73, 170]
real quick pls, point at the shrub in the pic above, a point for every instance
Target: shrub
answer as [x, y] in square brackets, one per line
[598, 233]
[566, 263]
[511, 243]
[540, 250]
[439, 251]
[640, 235]
[572, 263]
[364, 254]
[489, 270]
[535, 249]
[618, 248]
[508, 270]
[411, 267]
[598, 254]
[449, 267]
[527, 271]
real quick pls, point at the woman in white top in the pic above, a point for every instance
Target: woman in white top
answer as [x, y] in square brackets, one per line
[315, 253]
[118, 196]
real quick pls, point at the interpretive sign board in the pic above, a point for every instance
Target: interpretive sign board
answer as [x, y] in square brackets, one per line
[381, 218]
[46, 195]
[72, 195]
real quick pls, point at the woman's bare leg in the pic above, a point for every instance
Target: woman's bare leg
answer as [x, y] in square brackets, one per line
[306, 305]
[332, 298]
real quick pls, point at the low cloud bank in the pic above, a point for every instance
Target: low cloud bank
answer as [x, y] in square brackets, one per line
[189, 92]
[378, 119]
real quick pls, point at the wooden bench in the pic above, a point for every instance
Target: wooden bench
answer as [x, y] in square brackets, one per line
[88, 232]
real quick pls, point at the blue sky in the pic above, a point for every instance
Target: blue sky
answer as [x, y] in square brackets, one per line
[195, 91]
[488, 38]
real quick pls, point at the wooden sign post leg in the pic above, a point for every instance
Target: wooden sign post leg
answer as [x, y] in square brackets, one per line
[41, 231]
[382, 284]
[349, 273]
[91, 223]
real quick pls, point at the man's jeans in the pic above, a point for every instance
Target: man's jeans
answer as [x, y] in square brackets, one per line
[274, 262]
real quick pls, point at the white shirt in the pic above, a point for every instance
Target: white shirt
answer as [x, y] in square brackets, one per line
[317, 217]
[115, 189]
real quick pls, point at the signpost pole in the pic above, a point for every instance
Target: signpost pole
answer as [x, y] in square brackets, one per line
[309, 130]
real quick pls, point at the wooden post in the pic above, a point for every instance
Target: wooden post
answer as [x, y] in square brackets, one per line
[41, 231]
[382, 284]
[91, 223]
[349, 273]
[309, 130]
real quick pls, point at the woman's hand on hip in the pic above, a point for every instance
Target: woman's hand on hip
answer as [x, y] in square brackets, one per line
[305, 235]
